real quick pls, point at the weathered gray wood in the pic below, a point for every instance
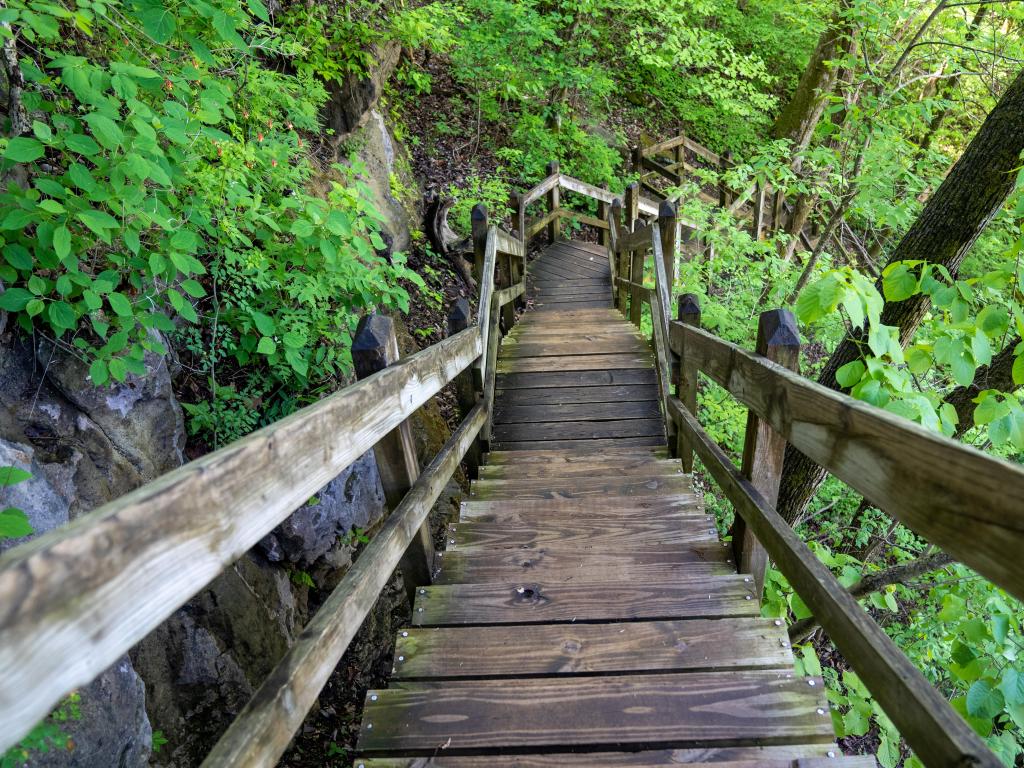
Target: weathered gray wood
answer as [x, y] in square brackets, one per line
[263, 730]
[668, 229]
[563, 649]
[716, 757]
[583, 362]
[636, 277]
[686, 391]
[632, 207]
[491, 356]
[544, 456]
[757, 222]
[603, 236]
[579, 430]
[518, 217]
[565, 396]
[678, 709]
[486, 250]
[374, 348]
[532, 603]
[589, 534]
[560, 566]
[763, 448]
[554, 227]
[508, 244]
[459, 319]
[525, 414]
[676, 506]
[569, 465]
[639, 238]
[724, 193]
[657, 441]
[537, 192]
[600, 377]
[963, 500]
[62, 626]
[933, 729]
[537, 225]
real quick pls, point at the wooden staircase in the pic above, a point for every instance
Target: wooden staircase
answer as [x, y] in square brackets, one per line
[585, 611]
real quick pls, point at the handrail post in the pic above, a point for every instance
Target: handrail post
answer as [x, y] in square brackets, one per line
[686, 390]
[374, 348]
[724, 194]
[518, 215]
[636, 276]
[763, 448]
[758, 222]
[668, 225]
[679, 155]
[632, 210]
[621, 256]
[555, 227]
[465, 390]
[478, 219]
[602, 214]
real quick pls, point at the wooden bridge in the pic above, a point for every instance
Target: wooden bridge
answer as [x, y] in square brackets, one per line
[585, 610]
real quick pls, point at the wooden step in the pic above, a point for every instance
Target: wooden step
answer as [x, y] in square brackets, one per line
[680, 506]
[579, 430]
[579, 488]
[528, 414]
[538, 603]
[679, 710]
[629, 566]
[547, 306]
[585, 534]
[588, 467]
[587, 649]
[571, 346]
[509, 398]
[581, 362]
[742, 757]
[575, 378]
[568, 456]
[595, 444]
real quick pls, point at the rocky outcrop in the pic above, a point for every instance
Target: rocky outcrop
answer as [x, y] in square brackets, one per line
[350, 101]
[83, 447]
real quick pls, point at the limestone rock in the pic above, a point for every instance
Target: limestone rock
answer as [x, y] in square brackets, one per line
[44, 498]
[354, 499]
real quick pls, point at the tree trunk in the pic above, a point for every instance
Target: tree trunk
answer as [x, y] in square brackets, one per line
[800, 116]
[971, 194]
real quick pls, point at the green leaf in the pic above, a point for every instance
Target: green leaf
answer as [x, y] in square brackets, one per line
[98, 373]
[918, 360]
[1000, 627]
[850, 374]
[302, 228]
[983, 700]
[14, 524]
[62, 241]
[118, 368]
[82, 144]
[1018, 369]
[35, 307]
[12, 476]
[1012, 686]
[267, 346]
[62, 316]
[120, 304]
[993, 320]
[24, 150]
[264, 324]
[159, 24]
[193, 288]
[15, 299]
[105, 130]
[258, 10]
[952, 608]
[99, 222]
[899, 283]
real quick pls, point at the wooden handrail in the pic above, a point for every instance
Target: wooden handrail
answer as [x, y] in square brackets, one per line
[262, 731]
[965, 501]
[933, 729]
[70, 602]
[961, 499]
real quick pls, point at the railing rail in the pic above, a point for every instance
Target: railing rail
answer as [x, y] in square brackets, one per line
[952, 495]
[78, 598]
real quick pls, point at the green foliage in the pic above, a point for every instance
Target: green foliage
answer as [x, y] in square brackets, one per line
[165, 189]
[14, 523]
[48, 736]
[491, 190]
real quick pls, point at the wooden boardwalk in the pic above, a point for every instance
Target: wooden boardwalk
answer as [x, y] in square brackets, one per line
[585, 611]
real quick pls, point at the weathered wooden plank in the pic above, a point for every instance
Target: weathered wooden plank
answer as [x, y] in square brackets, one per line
[534, 603]
[548, 379]
[545, 456]
[549, 306]
[963, 500]
[593, 466]
[69, 600]
[512, 398]
[598, 444]
[716, 757]
[539, 346]
[577, 363]
[675, 507]
[580, 261]
[524, 414]
[581, 487]
[562, 271]
[579, 430]
[582, 218]
[591, 251]
[262, 731]
[487, 257]
[583, 534]
[537, 192]
[664, 564]
[923, 716]
[677, 709]
[564, 649]
[638, 239]
[509, 244]
[549, 291]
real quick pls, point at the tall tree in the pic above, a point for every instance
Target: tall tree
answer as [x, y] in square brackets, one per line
[972, 193]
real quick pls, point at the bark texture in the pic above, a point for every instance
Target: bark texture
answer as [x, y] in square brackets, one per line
[971, 194]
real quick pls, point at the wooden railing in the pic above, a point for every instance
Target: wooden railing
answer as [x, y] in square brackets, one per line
[75, 600]
[958, 498]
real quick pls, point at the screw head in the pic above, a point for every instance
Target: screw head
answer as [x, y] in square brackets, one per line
[748, 597]
[746, 579]
[811, 683]
[451, 541]
[419, 610]
[402, 658]
[405, 634]
[778, 622]
[373, 697]
[369, 726]
[830, 753]
[423, 591]
[820, 711]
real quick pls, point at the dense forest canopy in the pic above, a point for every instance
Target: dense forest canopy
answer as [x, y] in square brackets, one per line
[171, 187]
